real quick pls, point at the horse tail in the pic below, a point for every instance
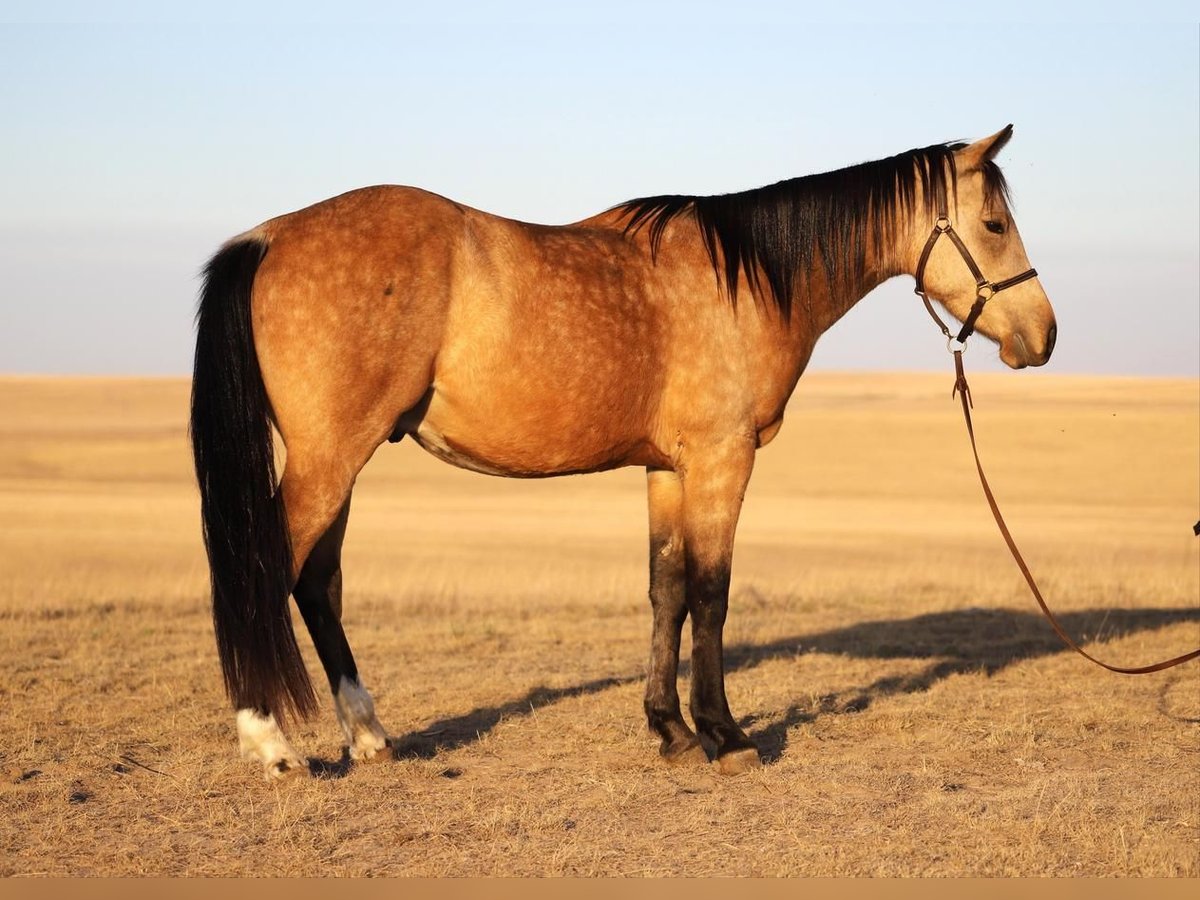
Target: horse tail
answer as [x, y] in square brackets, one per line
[244, 522]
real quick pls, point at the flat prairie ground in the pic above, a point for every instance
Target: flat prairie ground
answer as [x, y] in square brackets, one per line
[916, 714]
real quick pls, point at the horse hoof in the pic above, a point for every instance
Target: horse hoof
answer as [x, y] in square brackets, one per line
[287, 767]
[692, 754]
[367, 748]
[738, 762]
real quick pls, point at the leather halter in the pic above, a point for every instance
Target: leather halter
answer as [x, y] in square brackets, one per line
[984, 290]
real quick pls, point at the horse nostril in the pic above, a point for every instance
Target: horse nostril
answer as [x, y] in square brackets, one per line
[1051, 337]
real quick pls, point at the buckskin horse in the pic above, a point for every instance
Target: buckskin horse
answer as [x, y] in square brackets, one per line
[667, 332]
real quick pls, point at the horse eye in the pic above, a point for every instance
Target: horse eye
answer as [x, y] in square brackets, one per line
[994, 227]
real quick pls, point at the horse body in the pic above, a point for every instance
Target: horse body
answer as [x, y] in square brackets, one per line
[516, 350]
[504, 347]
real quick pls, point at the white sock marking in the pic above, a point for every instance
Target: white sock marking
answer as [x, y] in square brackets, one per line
[356, 713]
[260, 738]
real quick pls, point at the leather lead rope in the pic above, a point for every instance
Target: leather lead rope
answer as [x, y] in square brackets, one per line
[984, 291]
[964, 393]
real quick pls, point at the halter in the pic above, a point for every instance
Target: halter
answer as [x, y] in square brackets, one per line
[984, 290]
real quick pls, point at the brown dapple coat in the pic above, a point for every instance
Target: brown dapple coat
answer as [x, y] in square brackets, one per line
[524, 350]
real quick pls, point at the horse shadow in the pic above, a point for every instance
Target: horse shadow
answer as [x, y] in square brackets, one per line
[459, 731]
[956, 642]
[974, 640]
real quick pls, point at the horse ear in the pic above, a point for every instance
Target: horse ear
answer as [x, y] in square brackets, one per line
[976, 154]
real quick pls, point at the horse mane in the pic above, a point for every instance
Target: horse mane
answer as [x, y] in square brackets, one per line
[776, 233]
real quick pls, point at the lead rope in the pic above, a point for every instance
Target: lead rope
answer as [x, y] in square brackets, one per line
[984, 291]
[963, 390]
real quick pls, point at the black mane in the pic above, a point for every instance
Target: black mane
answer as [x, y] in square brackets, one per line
[775, 233]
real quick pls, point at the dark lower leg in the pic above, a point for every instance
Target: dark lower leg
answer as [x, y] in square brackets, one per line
[662, 696]
[670, 609]
[708, 602]
[318, 594]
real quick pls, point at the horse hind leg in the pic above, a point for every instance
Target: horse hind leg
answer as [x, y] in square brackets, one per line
[318, 595]
[316, 491]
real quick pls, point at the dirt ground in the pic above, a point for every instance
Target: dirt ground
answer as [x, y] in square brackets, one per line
[916, 714]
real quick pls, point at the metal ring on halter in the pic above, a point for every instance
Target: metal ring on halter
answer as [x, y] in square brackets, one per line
[951, 341]
[942, 224]
[991, 292]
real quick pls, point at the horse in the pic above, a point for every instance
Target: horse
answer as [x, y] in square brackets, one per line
[666, 332]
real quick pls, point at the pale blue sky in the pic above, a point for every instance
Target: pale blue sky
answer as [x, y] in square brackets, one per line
[131, 150]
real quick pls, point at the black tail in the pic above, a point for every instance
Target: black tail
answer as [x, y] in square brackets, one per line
[245, 528]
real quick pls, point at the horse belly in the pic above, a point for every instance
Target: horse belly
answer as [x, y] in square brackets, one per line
[433, 441]
[521, 444]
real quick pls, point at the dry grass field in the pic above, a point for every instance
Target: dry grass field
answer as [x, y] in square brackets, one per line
[917, 715]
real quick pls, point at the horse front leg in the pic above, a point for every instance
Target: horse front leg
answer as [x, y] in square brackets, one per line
[669, 605]
[714, 483]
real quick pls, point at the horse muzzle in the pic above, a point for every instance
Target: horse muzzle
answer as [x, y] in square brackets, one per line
[1019, 351]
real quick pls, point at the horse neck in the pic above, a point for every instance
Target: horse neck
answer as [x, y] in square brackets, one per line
[819, 304]
[786, 350]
